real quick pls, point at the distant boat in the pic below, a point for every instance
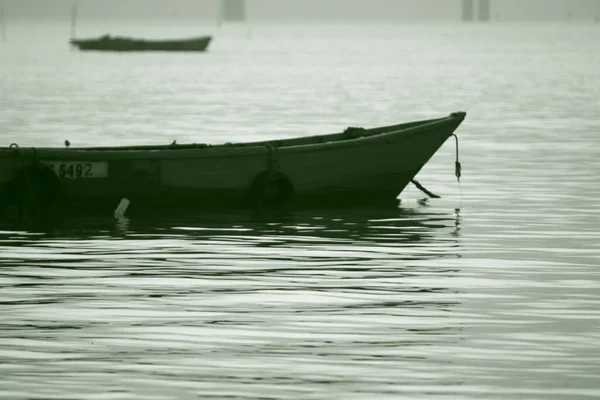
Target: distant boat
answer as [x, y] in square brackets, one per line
[355, 167]
[116, 43]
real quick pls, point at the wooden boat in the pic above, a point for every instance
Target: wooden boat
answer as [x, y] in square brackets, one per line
[355, 167]
[108, 43]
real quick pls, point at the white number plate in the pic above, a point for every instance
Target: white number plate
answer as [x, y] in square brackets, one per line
[79, 169]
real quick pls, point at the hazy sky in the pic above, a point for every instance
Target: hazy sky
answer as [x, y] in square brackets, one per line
[299, 9]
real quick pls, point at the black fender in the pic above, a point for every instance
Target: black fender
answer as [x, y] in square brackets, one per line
[34, 193]
[270, 189]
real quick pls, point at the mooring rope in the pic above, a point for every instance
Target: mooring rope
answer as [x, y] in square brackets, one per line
[457, 173]
[457, 166]
[422, 188]
[273, 160]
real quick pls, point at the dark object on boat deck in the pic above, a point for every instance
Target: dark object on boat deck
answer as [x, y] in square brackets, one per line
[108, 43]
[366, 168]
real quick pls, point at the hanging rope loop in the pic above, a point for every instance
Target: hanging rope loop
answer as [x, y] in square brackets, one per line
[273, 165]
[457, 166]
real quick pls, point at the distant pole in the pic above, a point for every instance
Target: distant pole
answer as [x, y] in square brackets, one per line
[73, 20]
[2, 28]
[233, 10]
[248, 24]
[220, 15]
[483, 10]
[467, 10]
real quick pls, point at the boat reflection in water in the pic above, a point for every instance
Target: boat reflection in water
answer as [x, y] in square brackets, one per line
[399, 228]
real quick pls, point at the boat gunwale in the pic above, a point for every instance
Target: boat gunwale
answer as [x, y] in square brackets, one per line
[185, 151]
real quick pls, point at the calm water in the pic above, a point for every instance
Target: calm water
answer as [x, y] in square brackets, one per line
[492, 291]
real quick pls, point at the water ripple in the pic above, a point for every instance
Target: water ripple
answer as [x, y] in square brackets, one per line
[490, 292]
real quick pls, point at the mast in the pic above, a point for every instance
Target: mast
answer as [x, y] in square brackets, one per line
[233, 10]
[73, 20]
[220, 14]
[2, 28]
[467, 10]
[483, 10]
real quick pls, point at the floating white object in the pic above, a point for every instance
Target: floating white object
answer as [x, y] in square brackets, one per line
[121, 208]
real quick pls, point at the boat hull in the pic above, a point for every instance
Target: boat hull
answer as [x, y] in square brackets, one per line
[119, 44]
[337, 170]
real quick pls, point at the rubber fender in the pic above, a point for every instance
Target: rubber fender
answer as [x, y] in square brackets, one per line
[270, 189]
[35, 191]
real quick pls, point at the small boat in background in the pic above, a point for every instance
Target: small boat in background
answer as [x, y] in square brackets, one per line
[116, 43]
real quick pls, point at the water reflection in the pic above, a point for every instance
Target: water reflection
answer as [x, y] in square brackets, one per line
[212, 303]
[401, 226]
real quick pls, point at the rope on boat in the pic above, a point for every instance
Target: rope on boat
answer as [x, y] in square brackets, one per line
[271, 188]
[422, 188]
[457, 166]
[457, 173]
[273, 165]
[353, 132]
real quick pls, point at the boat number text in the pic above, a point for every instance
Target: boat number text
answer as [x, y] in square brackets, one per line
[78, 170]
